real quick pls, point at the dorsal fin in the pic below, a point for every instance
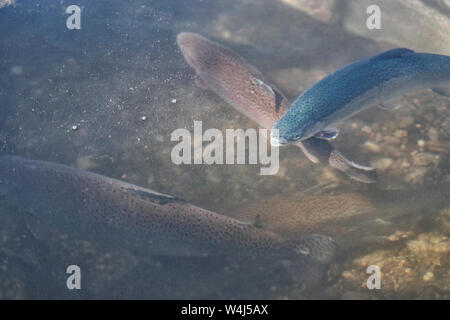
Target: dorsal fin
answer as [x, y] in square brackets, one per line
[154, 197]
[391, 54]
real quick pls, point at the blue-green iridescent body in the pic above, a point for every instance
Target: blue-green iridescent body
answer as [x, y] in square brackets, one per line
[356, 87]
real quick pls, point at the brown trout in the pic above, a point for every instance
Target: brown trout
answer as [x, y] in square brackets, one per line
[114, 213]
[245, 88]
[300, 213]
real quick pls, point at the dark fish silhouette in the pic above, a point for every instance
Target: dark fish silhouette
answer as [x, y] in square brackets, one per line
[248, 91]
[110, 212]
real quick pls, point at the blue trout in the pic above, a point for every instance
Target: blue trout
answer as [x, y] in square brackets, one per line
[357, 86]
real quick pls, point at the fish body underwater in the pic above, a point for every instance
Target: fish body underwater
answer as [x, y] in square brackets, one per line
[332, 214]
[245, 88]
[114, 213]
[358, 86]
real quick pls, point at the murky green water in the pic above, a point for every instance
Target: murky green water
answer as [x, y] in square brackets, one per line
[106, 98]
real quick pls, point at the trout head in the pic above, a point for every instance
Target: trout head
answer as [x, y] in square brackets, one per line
[285, 132]
[309, 259]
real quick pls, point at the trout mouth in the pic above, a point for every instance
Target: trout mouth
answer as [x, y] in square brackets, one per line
[276, 140]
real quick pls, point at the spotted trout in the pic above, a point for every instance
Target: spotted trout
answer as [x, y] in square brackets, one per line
[245, 88]
[357, 86]
[114, 213]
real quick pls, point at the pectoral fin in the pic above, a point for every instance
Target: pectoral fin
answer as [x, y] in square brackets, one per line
[392, 104]
[327, 134]
[319, 150]
[444, 90]
[309, 151]
[389, 106]
[364, 174]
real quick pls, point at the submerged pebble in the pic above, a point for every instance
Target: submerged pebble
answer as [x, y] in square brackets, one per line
[429, 276]
[408, 270]
[382, 164]
[421, 143]
[371, 146]
[424, 159]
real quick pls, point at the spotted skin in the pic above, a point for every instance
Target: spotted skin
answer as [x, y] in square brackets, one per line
[114, 213]
[358, 86]
[242, 86]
